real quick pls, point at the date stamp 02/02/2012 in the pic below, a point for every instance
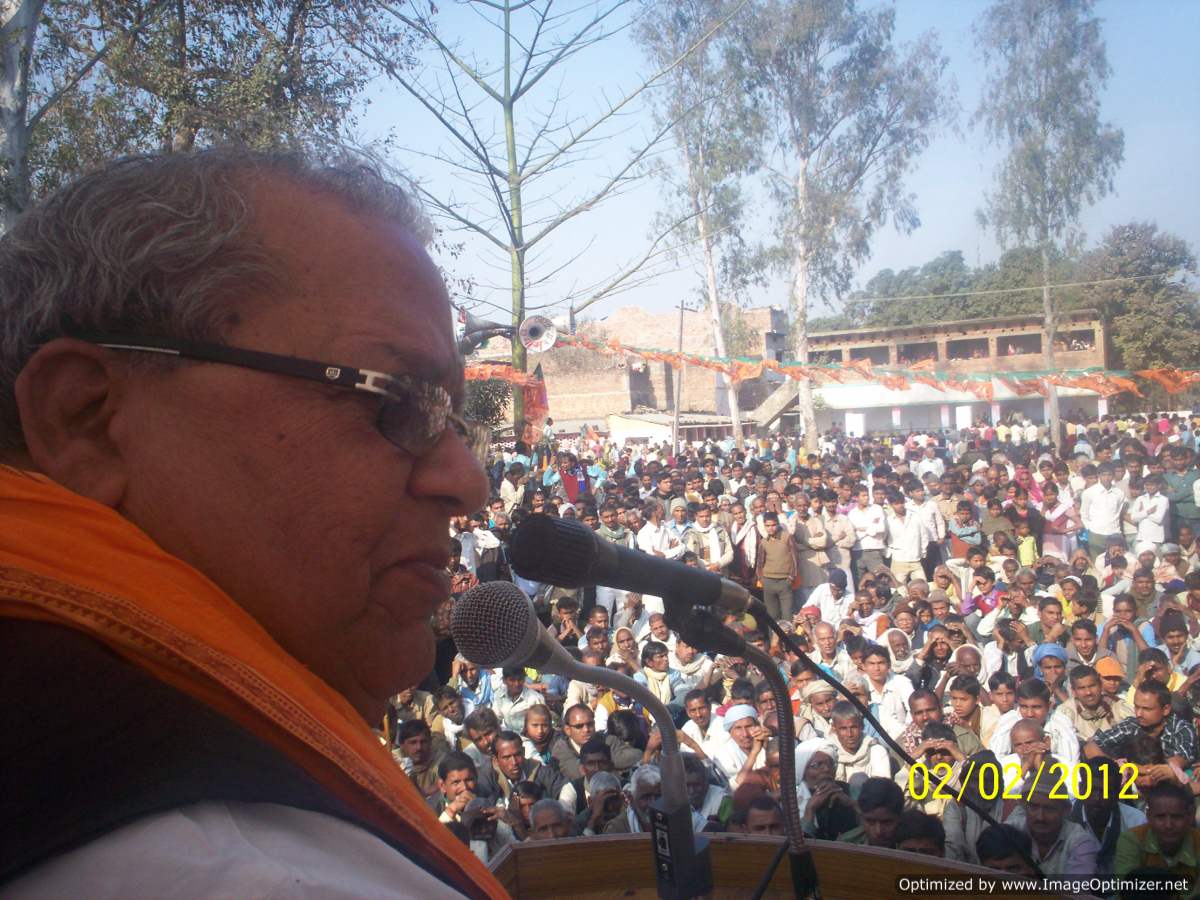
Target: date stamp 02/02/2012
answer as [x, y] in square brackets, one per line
[1010, 782]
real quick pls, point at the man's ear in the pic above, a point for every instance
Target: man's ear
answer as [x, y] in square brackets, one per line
[68, 394]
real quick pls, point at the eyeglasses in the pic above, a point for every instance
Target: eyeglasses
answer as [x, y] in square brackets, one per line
[590, 723]
[413, 415]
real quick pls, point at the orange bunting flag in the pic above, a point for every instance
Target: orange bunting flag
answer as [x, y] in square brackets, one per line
[1175, 381]
[1122, 385]
[1024, 387]
[537, 407]
[740, 371]
[499, 372]
[922, 372]
[861, 366]
[982, 389]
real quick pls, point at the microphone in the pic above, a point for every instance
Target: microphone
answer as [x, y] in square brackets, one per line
[495, 625]
[569, 554]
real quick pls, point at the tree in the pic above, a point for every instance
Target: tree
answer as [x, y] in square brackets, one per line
[715, 136]
[486, 402]
[851, 112]
[86, 80]
[931, 292]
[1151, 321]
[1046, 66]
[508, 144]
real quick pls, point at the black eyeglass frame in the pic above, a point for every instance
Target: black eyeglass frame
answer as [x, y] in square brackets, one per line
[434, 400]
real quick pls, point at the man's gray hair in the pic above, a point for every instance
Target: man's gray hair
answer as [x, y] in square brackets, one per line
[604, 781]
[552, 806]
[158, 245]
[648, 774]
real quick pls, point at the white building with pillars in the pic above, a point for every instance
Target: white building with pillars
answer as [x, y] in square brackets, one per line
[995, 347]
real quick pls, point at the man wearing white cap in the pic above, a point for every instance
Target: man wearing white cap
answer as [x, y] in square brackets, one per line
[743, 752]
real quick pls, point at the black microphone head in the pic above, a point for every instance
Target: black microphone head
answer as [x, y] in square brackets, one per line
[553, 550]
[494, 625]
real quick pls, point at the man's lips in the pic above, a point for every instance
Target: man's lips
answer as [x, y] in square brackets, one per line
[433, 587]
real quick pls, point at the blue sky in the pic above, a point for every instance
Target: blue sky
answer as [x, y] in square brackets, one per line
[1153, 95]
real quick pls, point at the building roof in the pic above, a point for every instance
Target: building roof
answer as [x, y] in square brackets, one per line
[685, 418]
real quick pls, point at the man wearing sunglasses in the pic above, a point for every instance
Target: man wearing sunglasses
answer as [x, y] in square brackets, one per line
[228, 418]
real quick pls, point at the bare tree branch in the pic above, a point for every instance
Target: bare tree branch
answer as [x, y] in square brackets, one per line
[73, 81]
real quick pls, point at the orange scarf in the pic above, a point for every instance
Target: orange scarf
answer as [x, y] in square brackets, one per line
[70, 561]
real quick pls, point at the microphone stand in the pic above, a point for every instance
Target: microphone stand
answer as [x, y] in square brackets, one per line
[682, 861]
[759, 611]
[700, 628]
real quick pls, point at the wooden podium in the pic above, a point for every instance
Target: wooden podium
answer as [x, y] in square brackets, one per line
[622, 866]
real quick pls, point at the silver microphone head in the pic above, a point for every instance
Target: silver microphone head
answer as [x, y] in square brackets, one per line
[495, 625]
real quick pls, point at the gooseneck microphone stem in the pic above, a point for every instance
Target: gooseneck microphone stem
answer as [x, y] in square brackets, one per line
[674, 788]
[787, 738]
[701, 628]
[495, 625]
[804, 870]
[759, 611]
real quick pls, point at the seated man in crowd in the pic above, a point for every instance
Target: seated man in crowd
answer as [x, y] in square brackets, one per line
[859, 757]
[743, 752]
[763, 816]
[645, 786]
[1168, 841]
[1102, 813]
[880, 805]
[1060, 846]
[1152, 716]
[1088, 709]
[458, 782]
[1006, 849]
[509, 766]
[549, 821]
[711, 803]
[919, 832]
[1033, 702]
[511, 703]
[579, 724]
[705, 731]
[924, 708]
[417, 756]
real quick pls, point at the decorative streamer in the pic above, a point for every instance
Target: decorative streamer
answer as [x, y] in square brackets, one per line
[1023, 384]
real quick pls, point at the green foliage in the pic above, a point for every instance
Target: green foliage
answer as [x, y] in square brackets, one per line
[1046, 68]
[486, 402]
[1150, 322]
[877, 302]
[717, 137]
[175, 75]
[1153, 321]
[852, 111]
[741, 338]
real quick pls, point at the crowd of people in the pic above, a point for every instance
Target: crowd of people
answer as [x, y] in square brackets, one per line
[992, 604]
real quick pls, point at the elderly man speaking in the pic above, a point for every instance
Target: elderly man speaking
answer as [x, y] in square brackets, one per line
[228, 393]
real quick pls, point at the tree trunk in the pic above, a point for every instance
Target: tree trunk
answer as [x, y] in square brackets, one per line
[808, 416]
[700, 207]
[18, 30]
[517, 246]
[1051, 328]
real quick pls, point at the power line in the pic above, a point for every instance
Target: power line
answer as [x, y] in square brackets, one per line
[946, 296]
[992, 292]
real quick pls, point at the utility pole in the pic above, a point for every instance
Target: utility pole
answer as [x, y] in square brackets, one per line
[678, 388]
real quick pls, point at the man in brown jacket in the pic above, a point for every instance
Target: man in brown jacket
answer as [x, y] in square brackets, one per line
[776, 566]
